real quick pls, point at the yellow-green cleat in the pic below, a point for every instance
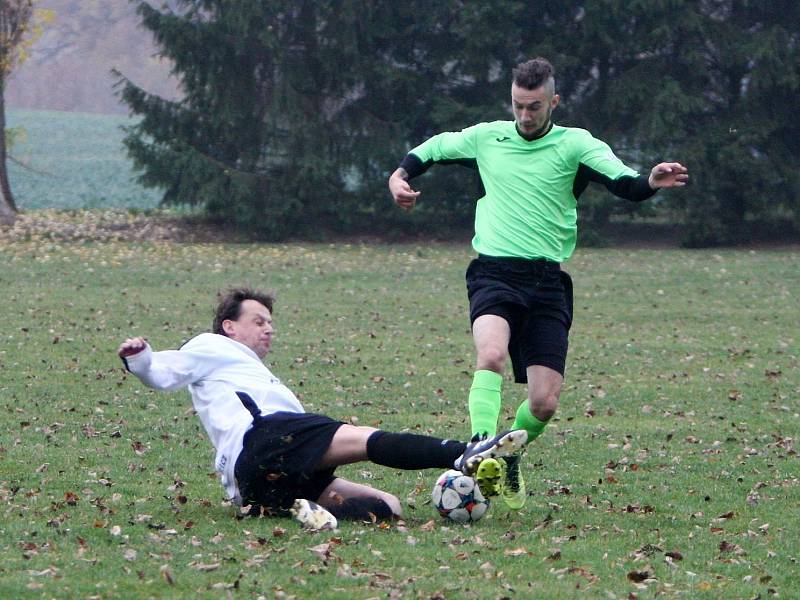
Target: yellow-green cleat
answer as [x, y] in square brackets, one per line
[512, 487]
[489, 476]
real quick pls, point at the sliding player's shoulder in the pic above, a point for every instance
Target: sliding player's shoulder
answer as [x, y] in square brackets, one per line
[205, 341]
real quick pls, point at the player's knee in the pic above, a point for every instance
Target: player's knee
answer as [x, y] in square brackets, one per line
[393, 503]
[492, 359]
[544, 406]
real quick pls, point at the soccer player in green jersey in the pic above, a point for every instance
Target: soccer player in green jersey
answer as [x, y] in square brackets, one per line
[533, 173]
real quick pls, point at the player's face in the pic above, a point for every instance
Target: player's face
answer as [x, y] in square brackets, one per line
[253, 328]
[532, 108]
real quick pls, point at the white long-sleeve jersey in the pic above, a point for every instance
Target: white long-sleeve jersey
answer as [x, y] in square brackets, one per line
[214, 368]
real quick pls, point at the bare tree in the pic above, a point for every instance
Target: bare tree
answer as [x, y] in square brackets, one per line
[15, 18]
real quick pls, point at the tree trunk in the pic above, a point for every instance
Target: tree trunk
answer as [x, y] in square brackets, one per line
[8, 208]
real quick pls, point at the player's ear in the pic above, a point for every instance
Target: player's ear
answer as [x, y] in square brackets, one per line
[228, 327]
[554, 102]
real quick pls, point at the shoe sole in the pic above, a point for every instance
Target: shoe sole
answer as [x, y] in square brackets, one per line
[510, 443]
[488, 476]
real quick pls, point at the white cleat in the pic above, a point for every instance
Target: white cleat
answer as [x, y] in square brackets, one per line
[312, 516]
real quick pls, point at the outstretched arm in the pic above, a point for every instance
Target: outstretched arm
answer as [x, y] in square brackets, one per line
[165, 370]
[667, 175]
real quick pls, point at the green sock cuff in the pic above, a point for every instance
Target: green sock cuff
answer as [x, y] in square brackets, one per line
[525, 420]
[487, 380]
[484, 402]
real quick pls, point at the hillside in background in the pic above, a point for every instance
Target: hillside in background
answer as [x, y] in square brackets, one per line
[74, 160]
[69, 67]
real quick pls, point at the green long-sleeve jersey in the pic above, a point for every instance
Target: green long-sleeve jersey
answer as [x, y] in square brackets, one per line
[529, 208]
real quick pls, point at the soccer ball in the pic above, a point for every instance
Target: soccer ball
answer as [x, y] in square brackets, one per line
[456, 496]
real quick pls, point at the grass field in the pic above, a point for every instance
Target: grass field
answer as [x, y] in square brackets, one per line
[669, 471]
[76, 160]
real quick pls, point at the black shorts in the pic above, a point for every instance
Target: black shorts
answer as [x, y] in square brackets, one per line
[535, 297]
[279, 459]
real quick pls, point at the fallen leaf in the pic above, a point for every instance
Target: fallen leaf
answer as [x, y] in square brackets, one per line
[724, 517]
[638, 576]
[428, 526]
[322, 551]
[585, 573]
[728, 547]
[167, 575]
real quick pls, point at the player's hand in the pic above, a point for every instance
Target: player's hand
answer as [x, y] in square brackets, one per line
[131, 346]
[402, 193]
[668, 174]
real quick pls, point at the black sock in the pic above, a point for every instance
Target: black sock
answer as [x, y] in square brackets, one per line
[410, 451]
[362, 509]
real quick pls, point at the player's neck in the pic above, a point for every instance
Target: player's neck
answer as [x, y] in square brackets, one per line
[541, 132]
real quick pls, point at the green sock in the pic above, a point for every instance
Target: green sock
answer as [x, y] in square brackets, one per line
[525, 420]
[484, 402]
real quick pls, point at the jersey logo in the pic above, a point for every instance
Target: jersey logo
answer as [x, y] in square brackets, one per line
[503, 139]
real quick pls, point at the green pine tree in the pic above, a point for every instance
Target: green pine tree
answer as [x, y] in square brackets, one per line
[295, 112]
[712, 84]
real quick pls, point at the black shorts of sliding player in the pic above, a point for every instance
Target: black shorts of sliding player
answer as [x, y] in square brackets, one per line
[278, 462]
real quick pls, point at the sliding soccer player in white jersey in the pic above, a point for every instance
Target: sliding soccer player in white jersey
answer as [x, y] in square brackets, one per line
[269, 451]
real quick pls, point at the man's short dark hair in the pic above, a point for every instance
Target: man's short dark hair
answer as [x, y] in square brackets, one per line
[533, 73]
[230, 305]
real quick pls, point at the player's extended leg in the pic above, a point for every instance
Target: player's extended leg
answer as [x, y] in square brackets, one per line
[346, 499]
[544, 389]
[409, 451]
[349, 445]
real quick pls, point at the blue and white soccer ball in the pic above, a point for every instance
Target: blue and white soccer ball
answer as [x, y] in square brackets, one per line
[456, 496]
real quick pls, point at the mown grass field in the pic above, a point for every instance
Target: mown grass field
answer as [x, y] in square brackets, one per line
[670, 470]
[74, 160]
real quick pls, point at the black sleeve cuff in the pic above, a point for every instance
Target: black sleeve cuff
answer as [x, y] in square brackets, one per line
[635, 189]
[641, 190]
[413, 165]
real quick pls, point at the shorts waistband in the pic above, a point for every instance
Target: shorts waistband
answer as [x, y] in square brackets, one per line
[522, 263]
